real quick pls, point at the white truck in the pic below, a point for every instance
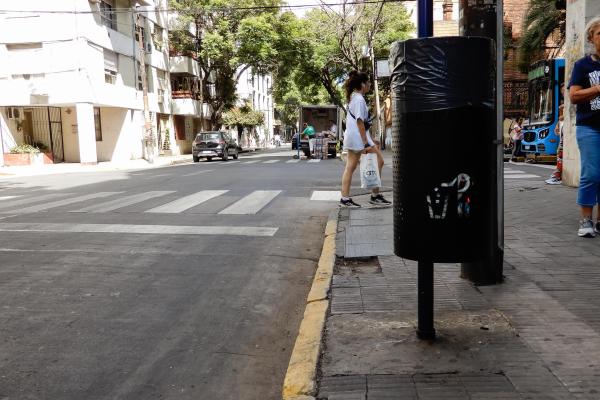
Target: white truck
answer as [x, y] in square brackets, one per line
[322, 118]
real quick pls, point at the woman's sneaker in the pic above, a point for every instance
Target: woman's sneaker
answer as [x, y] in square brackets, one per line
[349, 203]
[379, 200]
[553, 181]
[586, 228]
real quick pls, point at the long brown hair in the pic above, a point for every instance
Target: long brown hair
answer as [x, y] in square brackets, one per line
[355, 81]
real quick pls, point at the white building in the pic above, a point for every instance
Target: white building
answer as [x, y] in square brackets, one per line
[257, 90]
[72, 82]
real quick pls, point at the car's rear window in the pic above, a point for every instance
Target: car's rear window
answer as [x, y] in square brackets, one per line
[208, 136]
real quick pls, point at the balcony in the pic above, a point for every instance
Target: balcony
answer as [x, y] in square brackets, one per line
[185, 65]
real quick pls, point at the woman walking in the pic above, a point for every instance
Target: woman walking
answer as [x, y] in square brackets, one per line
[357, 139]
[584, 90]
[517, 137]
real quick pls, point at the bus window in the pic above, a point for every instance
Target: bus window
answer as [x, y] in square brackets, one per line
[542, 102]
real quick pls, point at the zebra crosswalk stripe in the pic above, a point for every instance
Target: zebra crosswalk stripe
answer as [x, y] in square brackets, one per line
[33, 199]
[520, 176]
[326, 195]
[2, 198]
[270, 161]
[252, 203]
[314, 160]
[187, 202]
[139, 229]
[64, 202]
[293, 161]
[123, 202]
[251, 162]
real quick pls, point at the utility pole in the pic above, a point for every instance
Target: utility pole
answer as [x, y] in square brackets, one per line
[377, 105]
[148, 136]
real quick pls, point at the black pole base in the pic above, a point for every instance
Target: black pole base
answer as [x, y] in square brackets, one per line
[425, 329]
[426, 335]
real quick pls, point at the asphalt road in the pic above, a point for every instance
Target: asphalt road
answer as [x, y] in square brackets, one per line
[183, 282]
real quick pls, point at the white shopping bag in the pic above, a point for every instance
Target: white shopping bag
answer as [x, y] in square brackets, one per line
[369, 172]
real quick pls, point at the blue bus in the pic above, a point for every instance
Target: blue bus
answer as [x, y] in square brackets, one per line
[545, 79]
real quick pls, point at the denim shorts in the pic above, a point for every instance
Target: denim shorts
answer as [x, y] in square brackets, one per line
[588, 140]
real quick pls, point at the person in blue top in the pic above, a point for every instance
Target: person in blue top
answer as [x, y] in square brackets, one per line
[584, 91]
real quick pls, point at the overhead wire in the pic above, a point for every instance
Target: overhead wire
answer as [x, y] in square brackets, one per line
[204, 9]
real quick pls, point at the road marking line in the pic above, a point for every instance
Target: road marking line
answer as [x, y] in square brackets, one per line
[292, 161]
[187, 202]
[314, 160]
[251, 162]
[34, 199]
[64, 202]
[232, 162]
[123, 202]
[252, 203]
[141, 229]
[198, 173]
[270, 161]
[157, 176]
[512, 171]
[2, 198]
[326, 195]
[523, 176]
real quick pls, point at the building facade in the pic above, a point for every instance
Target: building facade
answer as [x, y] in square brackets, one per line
[256, 89]
[71, 81]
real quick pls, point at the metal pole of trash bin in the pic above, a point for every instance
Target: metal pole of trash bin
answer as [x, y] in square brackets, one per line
[425, 329]
[425, 296]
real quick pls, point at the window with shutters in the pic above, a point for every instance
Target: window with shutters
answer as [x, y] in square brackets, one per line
[157, 37]
[161, 76]
[108, 17]
[140, 86]
[97, 124]
[110, 66]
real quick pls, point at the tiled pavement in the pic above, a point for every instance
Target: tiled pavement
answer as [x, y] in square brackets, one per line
[536, 336]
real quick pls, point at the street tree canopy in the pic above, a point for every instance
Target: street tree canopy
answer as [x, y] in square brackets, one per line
[326, 44]
[230, 36]
[545, 22]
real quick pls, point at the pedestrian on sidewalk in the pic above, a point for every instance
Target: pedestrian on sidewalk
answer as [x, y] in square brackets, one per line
[357, 139]
[584, 91]
[556, 177]
[517, 137]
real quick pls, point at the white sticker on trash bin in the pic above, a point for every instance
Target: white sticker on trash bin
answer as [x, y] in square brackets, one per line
[438, 199]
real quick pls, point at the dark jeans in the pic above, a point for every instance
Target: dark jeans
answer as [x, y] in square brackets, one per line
[517, 149]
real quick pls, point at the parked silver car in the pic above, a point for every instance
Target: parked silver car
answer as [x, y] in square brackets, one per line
[214, 144]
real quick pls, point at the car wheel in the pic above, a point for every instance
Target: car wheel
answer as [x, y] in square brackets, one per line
[196, 159]
[225, 155]
[208, 159]
[236, 155]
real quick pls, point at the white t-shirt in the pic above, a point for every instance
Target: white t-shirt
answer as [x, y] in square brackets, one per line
[358, 108]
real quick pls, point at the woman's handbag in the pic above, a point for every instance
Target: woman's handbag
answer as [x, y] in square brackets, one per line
[369, 171]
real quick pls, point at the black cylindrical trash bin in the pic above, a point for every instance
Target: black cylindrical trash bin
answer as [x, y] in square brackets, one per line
[443, 130]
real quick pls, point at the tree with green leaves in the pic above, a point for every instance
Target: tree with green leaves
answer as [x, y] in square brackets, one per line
[332, 42]
[230, 36]
[327, 43]
[544, 22]
[243, 117]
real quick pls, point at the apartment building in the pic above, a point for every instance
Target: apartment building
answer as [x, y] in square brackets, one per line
[71, 80]
[257, 90]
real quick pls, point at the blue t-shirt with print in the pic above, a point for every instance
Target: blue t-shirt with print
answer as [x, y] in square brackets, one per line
[586, 73]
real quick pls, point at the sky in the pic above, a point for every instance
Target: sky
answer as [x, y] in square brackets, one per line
[301, 11]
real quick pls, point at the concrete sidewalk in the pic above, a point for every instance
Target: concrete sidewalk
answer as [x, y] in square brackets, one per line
[62, 168]
[536, 336]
